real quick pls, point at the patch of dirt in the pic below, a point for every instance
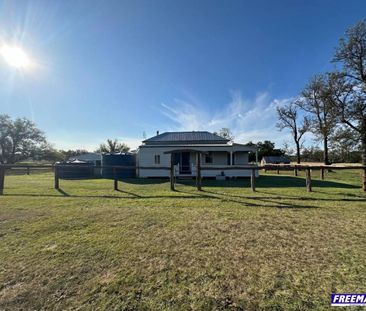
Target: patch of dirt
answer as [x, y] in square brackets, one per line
[107, 277]
[9, 292]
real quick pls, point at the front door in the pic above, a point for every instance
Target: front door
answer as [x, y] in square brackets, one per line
[185, 163]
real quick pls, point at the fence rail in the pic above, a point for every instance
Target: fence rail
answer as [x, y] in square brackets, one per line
[253, 168]
[226, 167]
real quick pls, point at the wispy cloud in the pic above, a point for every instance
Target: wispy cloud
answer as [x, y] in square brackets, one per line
[88, 142]
[249, 120]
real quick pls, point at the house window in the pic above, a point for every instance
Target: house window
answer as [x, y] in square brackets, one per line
[157, 159]
[209, 158]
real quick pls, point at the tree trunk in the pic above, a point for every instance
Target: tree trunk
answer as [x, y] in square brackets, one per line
[326, 153]
[298, 156]
[363, 150]
[3, 155]
[11, 159]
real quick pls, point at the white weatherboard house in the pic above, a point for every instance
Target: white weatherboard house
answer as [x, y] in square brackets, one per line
[181, 149]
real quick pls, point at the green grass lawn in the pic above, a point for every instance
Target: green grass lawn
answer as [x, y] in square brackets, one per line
[147, 248]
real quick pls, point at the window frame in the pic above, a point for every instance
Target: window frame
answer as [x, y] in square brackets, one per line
[157, 159]
[209, 155]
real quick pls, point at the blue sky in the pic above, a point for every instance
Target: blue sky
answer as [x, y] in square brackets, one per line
[116, 69]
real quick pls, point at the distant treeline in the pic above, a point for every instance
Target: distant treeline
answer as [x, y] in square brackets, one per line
[21, 140]
[337, 154]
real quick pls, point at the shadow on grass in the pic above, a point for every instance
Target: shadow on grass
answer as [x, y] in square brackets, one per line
[245, 200]
[292, 181]
[63, 192]
[80, 178]
[263, 181]
[351, 197]
[269, 182]
[131, 195]
[144, 181]
[264, 201]
[202, 196]
[289, 197]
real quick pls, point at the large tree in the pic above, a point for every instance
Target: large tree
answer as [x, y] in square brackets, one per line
[316, 103]
[18, 138]
[73, 153]
[5, 125]
[112, 146]
[46, 152]
[348, 88]
[345, 145]
[266, 148]
[289, 118]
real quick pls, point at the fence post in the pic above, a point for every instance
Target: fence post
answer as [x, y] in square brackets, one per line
[364, 180]
[295, 171]
[198, 172]
[28, 170]
[278, 171]
[115, 179]
[2, 179]
[322, 173]
[252, 179]
[308, 180]
[57, 182]
[172, 186]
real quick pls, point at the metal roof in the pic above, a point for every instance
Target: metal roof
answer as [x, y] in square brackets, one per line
[201, 147]
[194, 137]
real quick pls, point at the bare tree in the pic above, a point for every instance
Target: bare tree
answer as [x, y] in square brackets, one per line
[289, 118]
[348, 88]
[287, 149]
[315, 101]
[226, 133]
[351, 52]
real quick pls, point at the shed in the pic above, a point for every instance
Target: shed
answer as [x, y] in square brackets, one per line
[275, 160]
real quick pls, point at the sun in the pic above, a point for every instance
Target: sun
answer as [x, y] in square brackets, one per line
[15, 56]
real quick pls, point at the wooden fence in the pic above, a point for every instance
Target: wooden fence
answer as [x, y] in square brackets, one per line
[296, 168]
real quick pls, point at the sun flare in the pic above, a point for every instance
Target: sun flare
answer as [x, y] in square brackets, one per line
[15, 56]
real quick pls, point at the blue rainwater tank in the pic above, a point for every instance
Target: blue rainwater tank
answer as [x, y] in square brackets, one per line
[119, 159]
[75, 169]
